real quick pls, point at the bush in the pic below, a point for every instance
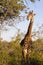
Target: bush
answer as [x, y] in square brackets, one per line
[11, 54]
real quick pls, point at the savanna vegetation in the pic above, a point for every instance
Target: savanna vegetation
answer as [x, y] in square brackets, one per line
[11, 53]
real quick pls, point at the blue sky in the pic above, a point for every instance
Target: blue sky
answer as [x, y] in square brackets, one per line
[37, 7]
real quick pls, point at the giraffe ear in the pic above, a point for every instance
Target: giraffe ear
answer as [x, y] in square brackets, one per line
[34, 14]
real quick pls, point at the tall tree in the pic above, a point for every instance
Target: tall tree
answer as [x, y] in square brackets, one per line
[11, 7]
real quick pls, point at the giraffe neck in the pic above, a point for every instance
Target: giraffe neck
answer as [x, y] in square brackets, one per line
[29, 31]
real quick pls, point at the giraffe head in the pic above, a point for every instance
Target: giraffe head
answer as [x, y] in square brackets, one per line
[31, 15]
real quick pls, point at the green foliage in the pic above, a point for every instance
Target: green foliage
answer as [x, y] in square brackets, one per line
[10, 8]
[36, 56]
[11, 53]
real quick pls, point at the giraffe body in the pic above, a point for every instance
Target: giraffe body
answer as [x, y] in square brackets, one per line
[27, 39]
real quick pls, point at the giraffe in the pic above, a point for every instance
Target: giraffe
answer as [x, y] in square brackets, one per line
[27, 39]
